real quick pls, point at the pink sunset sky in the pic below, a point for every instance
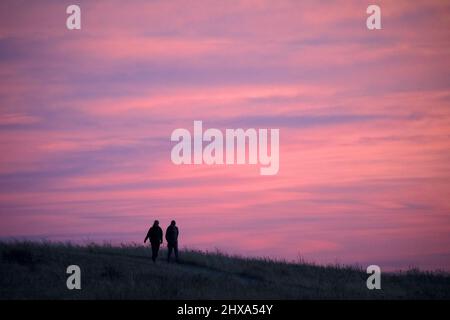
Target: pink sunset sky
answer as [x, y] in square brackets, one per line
[364, 118]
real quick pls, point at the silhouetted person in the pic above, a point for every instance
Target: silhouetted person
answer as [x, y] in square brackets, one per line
[172, 240]
[155, 235]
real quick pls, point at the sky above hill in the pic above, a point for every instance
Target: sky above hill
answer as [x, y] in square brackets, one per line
[364, 117]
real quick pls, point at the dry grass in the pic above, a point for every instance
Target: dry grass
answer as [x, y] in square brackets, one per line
[38, 271]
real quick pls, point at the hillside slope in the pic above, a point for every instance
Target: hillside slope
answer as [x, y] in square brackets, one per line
[38, 271]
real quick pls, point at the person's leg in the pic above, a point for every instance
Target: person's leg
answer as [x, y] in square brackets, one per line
[169, 252]
[175, 250]
[153, 252]
[156, 250]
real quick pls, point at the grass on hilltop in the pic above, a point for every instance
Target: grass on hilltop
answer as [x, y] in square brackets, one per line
[32, 270]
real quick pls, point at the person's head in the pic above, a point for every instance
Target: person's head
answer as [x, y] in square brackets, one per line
[173, 223]
[156, 223]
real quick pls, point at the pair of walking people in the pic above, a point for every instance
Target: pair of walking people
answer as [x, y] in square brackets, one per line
[155, 236]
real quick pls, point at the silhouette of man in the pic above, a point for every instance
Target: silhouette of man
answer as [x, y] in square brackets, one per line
[155, 235]
[172, 240]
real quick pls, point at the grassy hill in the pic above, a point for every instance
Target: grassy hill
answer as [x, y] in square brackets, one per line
[38, 271]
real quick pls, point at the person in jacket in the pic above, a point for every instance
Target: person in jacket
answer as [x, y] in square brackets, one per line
[155, 235]
[172, 233]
